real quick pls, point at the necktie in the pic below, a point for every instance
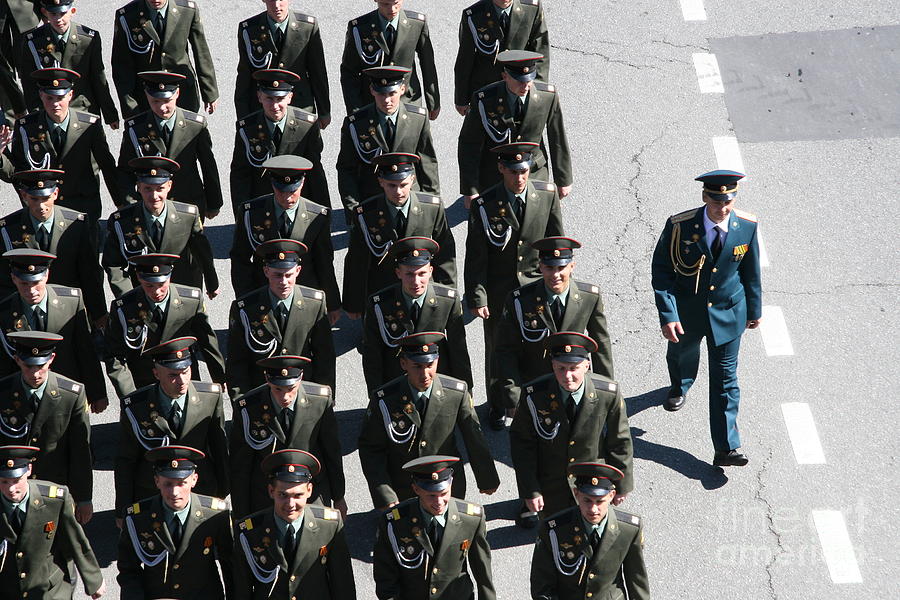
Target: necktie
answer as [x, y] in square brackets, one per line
[504, 24]
[287, 419]
[278, 37]
[436, 533]
[166, 134]
[16, 519]
[156, 232]
[289, 545]
[390, 34]
[177, 531]
[414, 311]
[421, 403]
[518, 208]
[390, 130]
[286, 226]
[35, 402]
[571, 409]
[42, 238]
[59, 139]
[158, 318]
[556, 309]
[276, 137]
[595, 540]
[717, 242]
[176, 420]
[40, 321]
[282, 315]
[159, 23]
[401, 225]
[520, 109]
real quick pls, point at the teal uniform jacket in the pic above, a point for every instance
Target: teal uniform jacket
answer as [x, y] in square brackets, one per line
[409, 566]
[726, 294]
[565, 565]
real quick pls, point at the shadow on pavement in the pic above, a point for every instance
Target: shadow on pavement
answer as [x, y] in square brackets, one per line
[508, 536]
[347, 335]
[340, 234]
[220, 238]
[105, 445]
[710, 477]
[457, 213]
[104, 537]
[638, 404]
[349, 424]
[360, 531]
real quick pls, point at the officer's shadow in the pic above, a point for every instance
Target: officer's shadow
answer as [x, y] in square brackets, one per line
[104, 445]
[457, 213]
[220, 237]
[98, 530]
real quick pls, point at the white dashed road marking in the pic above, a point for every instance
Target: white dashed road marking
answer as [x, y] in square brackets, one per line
[836, 546]
[708, 75]
[693, 10]
[802, 430]
[775, 333]
[728, 155]
[763, 255]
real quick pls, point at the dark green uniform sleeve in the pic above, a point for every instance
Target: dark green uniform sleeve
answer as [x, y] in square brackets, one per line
[480, 563]
[373, 451]
[356, 266]
[322, 255]
[475, 272]
[460, 363]
[430, 87]
[113, 262]
[100, 85]
[90, 275]
[340, 568]
[539, 41]
[124, 71]
[373, 348]
[354, 90]
[523, 447]
[619, 449]
[129, 454]
[347, 170]
[218, 446]
[427, 169]
[206, 73]
[634, 571]
[543, 571]
[240, 360]
[116, 355]
[81, 474]
[201, 251]
[558, 144]
[130, 577]
[386, 571]
[212, 186]
[331, 456]
[241, 176]
[76, 547]
[208, 343]
[480, 458]
[322, 353]
[462, 69]
[240, 462]
[87, 359]
[507, 351]
[597, 330]
[469, 150]
[241, 257]
[107, 164]
[445, 262]
[317, 72]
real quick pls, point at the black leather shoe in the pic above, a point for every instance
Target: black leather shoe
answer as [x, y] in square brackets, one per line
[527, 519]
[732, 458]
[496, 420]
[674, 403]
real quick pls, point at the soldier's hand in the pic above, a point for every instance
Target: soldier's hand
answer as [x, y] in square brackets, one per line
[341, 507]
[212, 293]
[324, 121]
[488, 492]
[619, 499]
[462, 109]
[334, 316]
[433, 114]
[100, 591]
[481, 312]
[535, 505]
[564, 191]
[84, 512]
[352, 315]
[212, 214]
[753, 323]
[100, 322]
[671, 331]
[467, 200]
[5, 137]
[211, 106]
[99, 405]
[114, 125]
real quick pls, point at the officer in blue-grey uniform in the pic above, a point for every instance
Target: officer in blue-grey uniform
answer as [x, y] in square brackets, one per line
[706, 280]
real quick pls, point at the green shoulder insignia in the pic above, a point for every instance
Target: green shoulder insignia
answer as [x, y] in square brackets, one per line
[625, 517]
[428, 198]
[415, 109]
[325, 514]
[212, 503]
[587, 287]
[683, 216]
[139, 507]
[302, 115]
[51, 490]
[309, 292]
[411, 14]
[316, 209]
[452, 383]
[604, 385]
[210, 388]
[68, 384]
[87, 118]
[531, 2]
[543, 186]
[304, 18]
[316, 389]
[444, 291]
[745, 215]
[187, 3]
[468, 508]
[545, 87]
[72, 215]
[184, 207]
[187, 292]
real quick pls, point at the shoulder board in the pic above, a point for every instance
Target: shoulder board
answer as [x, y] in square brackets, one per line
[211, 388]
[51, 490]
[139, 507]
[387, 293]
[302, 115]
[315, 389]
[72, 215]
[326, 514]
[428, 198]
[467, 508]
[251, 295]
[625, 517]
[411, 14]
[187, 292]
[544, 186]
[371, 200]
[444, 291]
[492, 89]
[452, 383]
[745, 215]
[184, 207]
[68, 385]
[413, 108]
[311, 293]
[587, 287]
[683, 216]
[212, 503]
[544, 87]
[540, 384]
[187, 3]
[138, 395]
[525, 290]
[63, 291]
[396, 385]
[304, 18]
[316, 208]
[83, 30]
[87, 118]
[400, 510]
[531, 2]
[604, 385]
[192, 116]
[562, 517]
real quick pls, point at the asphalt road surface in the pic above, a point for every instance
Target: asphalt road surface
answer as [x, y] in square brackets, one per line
[802, 96]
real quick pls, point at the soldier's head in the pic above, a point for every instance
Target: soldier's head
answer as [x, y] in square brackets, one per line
[283, 376]
[387, 84]
[39, 190]
[419, 358]
[719, 192]
[290, 474]
[58, 14]
[595, 488]
[15, 469]
[277, 10]
[514, 161]
[432, 480]
[156, 4]
[29, 270]
[162, 91]
[281, 264]
[413, 256]
[175, 473]
[34, 353]
[570, 356]
[287, 174]
[519, 70]
[153, 176]
[55, 88]
[154, 274]
[502, 3]
[389, 8]
[396, 175]
[557, 261]
[172, 365]
[275, 90]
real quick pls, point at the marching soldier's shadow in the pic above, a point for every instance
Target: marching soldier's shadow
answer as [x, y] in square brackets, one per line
[340, 232]
[359, 528]
[220, 236]
[98, 530]
[104, 445]
[457, 213]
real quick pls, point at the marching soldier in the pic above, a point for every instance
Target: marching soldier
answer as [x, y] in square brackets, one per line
[516, 109]
[416, 415]
[276, 129]
[488, 28]
[287, 412]
[155, 312]
[172, 541]
[706, 280]
[157, 225]
[398, 212]
[554, 303]
[280, 38]
[172, 411]
[385, 125]
[65, 233]
[49, 411]
[40, 532]
[62, 43]
[280, 318]
[39, 306]
[16, 17]
[286, 215]
[175, 133]
[294, 547]
[153, 35]
[565, 416]
[390, 35]
[413, 305]
[503, 223]
[432, 545]
[589, 550]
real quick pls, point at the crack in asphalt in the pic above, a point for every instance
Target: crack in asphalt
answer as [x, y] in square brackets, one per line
[679, 46]
[770, 524]
[618, 61]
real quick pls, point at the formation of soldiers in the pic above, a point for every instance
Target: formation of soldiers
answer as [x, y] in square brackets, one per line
[548, 360]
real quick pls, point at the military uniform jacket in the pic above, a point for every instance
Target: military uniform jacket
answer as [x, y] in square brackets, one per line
[83, 53]
[253, 146]
[151, 566]
[301, 52]
[133, 328]
[257, 432]
[499, 256]
[16, 17]
[66, 315]
[481, 39]
[254, 334]
[728, 291]
[320, 569]
[60, 427]
[565, 565]
[256, 223]
[543, 443]
[362, 139]
[366, 47]
[143, 426]
[527, 320]
[50, 536]
[76, 262]
[408, 566]
[387, 320]
[394, 433]
[367, 268]
[137, 47]
[197, 182]
[490, 123]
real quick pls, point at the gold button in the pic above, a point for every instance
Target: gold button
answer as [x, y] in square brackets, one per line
[21, 575]
[715, 269]
[590, 575]
[589, 594]
[423, 443]
[520, 242]
[709, 304]
[176, 566]
[293, 578]
[434, 570]
[434, 590]
[712, 287]
[572, 442]
[520, 273]
[20, 554]
[520, 258]
[571, 460]
[176, 586]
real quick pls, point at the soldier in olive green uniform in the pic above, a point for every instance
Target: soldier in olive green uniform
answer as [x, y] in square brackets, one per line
[16, 17]
[590, 550]
[418, 414]
[153, 35]
[565, 416]
[284, 413]
[39, 532]
[381, 220]
[390, 35]
[171, 542]
[414, 304]
[432, 545]
[150, 314]
[173, 411]
[503, 223]
[554, 303]
[280, 318]
[39, 306]
[293, 549]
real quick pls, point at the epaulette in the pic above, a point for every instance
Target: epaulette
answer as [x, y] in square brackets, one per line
[587, 287]
[187, 3]
[416, 109]
[87, 118]
[316, 208]
[194, 116]
[444, 291]
[86, 31]
[683, 216]
[139, 507]
[397, 384]
[625, 517]
[137, 395]
[68, 385]
[250, 522]
[51, 490]
[184, 207]
[72, 215]
[467, 508]
[64, 290]
[544, 186]
[211, 388]
[411, 14]
[531, 2]
[212, 503]
[745, 215]
[540, 384]
[428, 198]
[315, 389]
[187, 292]
[452, 383]
[325, 514]
[557, 519]
[603, 385]
[400, 510]
[313, 293]
[544, 87]
[304, 18]
[352, 117]
[302, 115]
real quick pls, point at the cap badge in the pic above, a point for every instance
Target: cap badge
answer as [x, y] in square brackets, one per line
[556, 253]
[394, 168]
[594, 481]
[723, 188]
[425, 348]
[518, 157]
[525, 69]
[179, 354]
[384, 82]
[174, 464]
[153, 171]
[275, 84]
[291, 468]
[55, 82]
[34, 351]
[434, 476]
[40, 184]
[568, 348]
[415, 252]
[287, 179]
[30, 268]
[281, 256]
[10, 463]
[284, 372]
[156, 268]
[162, 86]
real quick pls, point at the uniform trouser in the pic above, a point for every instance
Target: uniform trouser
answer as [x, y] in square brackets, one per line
[491, 327]
[683, 360]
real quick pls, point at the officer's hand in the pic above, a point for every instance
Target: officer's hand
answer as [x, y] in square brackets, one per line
[100, 322]
[535, 504]
[433, 114]
[119, 522]
[324, 121]
[212, 293]
[114, 125]
[467, 200]
[99, 405]
[341, 507]
[619, 499]
[462, 109]
[212, 214]
[671, 331]
[564, 191]
[488, 492]
[211, 106]
[334, 316]
[100, 591]
[753, 323]
[482, 312]
[5, 137]
[352, 315]
[84, 512]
